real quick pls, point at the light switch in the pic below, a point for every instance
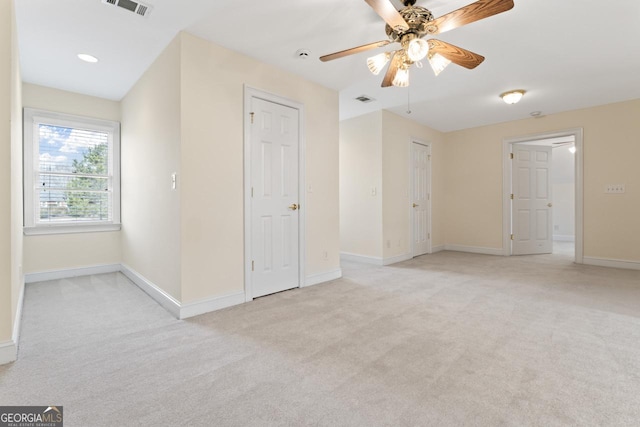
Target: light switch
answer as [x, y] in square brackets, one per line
[173, 181]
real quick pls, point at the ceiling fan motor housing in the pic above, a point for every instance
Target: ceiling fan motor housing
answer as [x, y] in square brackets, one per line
[418, 18]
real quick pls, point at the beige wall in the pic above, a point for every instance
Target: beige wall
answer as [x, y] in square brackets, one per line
[65, 251]
[150, 153]
[611, 226]
[360, 172]
[375, 153]
[212, 163]
[6, 321]
[397, 134]
[186, 114]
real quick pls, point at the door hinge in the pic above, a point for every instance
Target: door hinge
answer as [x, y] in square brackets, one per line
[251, 114]
[511, 196]
[252, 265]
[512, 237]
[510, 154]
[251, 191]
[428, 156]
[428, 235]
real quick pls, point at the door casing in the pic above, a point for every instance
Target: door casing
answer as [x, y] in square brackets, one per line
[249, 93]
[577, 133]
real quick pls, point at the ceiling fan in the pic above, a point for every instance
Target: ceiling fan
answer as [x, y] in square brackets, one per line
[409, 26]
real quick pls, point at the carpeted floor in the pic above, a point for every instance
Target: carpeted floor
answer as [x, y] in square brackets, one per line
[441, 340]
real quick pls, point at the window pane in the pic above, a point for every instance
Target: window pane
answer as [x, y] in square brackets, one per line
[74, 206]
[64, 149]
[71, 182]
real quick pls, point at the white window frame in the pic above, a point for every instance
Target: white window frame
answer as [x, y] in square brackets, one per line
[32, 119]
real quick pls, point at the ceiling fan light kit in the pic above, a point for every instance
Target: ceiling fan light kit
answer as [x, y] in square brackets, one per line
[512, 96]
[409, 27]
[377, 63]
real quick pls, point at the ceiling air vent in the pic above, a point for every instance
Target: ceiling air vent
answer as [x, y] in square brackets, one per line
[365, 98]
[132, 6]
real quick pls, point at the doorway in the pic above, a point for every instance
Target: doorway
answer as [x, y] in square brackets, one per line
[420, 198]
[542, 194]
[274, 179]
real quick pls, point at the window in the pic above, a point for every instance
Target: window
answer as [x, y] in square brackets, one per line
[71, 173]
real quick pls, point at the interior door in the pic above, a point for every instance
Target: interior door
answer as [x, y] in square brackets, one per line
[420, 156]
[274, 201]
[532, 223]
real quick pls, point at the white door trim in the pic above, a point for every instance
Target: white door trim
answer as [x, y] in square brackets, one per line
[411, 210]
[249, 93]
[577, 133]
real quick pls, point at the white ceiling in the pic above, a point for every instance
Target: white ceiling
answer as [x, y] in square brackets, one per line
[565, 54]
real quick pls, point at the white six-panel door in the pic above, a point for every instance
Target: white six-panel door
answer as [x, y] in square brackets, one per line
[420, 155]
[531, 208]
[274, 201]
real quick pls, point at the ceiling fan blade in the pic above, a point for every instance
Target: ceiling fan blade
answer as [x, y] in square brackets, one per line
[470, 13]
[353, 50]
[395, 63]
[388, 12]
[455, 54]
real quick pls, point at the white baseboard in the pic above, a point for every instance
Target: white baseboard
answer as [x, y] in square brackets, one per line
[316, 279]
[395, 259]
[346, 256]
[615, 263]
[564, 238]
[164, 299]
[8, 352]
[474, 249]
[197, 308]
[437, 249]
[71, 272]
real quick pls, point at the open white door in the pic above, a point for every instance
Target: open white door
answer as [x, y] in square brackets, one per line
[420, 199]
[531, 207]
[274, 197]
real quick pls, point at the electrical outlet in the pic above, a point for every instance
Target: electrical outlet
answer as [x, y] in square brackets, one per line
[614, 189]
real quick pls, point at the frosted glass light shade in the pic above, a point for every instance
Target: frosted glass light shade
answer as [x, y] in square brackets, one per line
[572, 149]
[438, 62]
[377, 63]
[512, 97]
[402, 78]
[417, 50]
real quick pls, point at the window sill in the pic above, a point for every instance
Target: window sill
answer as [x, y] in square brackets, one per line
[69, 229]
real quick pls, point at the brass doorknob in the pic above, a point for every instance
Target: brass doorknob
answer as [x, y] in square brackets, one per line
[549, 204]
[293, 207]
[415, 206]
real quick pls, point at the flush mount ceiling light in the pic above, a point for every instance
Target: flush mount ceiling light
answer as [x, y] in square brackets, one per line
[88, 58]
[411, 27]
[513, 96]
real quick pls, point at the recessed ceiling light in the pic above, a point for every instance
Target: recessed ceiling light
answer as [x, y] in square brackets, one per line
[87, 58]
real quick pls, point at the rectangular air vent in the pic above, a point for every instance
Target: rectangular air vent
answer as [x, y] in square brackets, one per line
[364, 98]
[132, 6]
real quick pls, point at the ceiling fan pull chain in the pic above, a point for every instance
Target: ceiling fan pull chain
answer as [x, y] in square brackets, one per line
[408, 102]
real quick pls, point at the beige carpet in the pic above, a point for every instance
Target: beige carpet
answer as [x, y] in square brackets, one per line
[444, 339]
